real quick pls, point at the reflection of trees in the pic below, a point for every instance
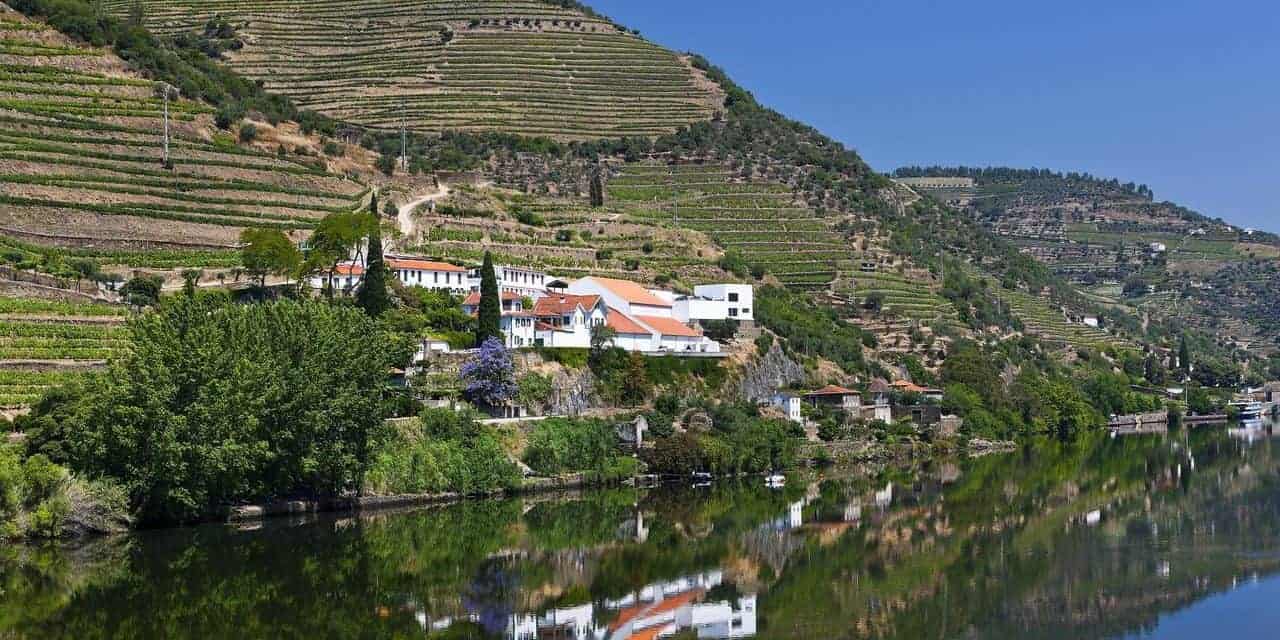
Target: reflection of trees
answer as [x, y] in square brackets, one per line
[1014, 560]
[1000, 551]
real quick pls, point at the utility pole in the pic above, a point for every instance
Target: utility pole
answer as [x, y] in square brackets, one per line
[166, 91]
[404, 140]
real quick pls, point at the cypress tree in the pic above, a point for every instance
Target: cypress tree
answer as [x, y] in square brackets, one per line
[597, 188]
[373, 296]
[1184, 355]
[488, 322]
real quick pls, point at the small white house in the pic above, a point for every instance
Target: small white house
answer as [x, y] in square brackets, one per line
[345, 278]
[1158, 247]
[790, 404]
[564, 320]
[1091, 321]
[516, 323]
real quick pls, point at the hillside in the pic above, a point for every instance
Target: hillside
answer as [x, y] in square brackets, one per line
[514, 66]
[82, 161]
[84, 189]
[1124, 247]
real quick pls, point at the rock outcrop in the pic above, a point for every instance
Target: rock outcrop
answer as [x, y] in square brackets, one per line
[765, 375]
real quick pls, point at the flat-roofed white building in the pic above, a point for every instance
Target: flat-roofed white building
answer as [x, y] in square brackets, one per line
[522, 281]
[738, 299]
[429, 274]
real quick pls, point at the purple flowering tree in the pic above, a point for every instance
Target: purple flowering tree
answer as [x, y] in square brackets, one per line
[490, 378]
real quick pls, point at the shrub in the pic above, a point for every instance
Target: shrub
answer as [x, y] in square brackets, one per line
[562, 445]
[474, 464]
[679, 455]
[248, 132]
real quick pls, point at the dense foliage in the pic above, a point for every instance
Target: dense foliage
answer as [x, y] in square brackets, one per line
[443, 451]
[807, 329]
[562, 445]
[219, 403]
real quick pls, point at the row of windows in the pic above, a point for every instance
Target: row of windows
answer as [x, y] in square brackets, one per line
[415, 277]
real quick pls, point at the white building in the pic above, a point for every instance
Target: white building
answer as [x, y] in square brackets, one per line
[344, 279]
[790, 404]
[1158, 247]
[521, 281]
[516, 323]
[623, 295]
[715, 302]
[738, 299]
[417, 272]
[564, 320]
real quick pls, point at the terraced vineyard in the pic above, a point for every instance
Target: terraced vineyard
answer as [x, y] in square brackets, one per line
[45, 343]
[762, 221]
[81, 162]
[516, 66]
[903, 296]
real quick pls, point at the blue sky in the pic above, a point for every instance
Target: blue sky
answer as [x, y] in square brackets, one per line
[1183, 96]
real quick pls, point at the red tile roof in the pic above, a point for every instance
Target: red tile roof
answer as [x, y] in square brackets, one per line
[473, 298]
[423, 265]
[349, 270]
[560, 304]
[670, 326]
[630, 291]
[619, 322]
[832, 390]
[906, 386]
[542, 326]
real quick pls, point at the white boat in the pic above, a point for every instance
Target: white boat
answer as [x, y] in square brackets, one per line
[1249, 410]
[775, 480]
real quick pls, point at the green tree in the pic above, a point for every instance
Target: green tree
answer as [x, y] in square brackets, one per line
[373, 296]
[489, 315]
[1184, 355]
[337, 237]
[218, 403]
[597, 187]
[268, 252]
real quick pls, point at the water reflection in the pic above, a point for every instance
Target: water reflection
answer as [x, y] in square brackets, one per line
[1091, 539]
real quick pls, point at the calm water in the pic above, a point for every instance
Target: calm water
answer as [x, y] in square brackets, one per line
[1172, 536]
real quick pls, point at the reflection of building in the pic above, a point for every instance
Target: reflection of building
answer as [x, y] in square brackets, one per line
[654, 611]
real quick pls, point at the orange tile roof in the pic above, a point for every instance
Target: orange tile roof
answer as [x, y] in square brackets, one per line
[542, 326]
[647, 634]
[670, 326]
[423, 265]
[349, 270]
[473, 298]
[560, 304]
[662, 606]
[832, 390]
[630, 291]
[911, 387]
[619, 322]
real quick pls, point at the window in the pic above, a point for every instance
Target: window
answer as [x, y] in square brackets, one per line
[733, 313]
[746, 311]
[446, 276]
[733, 297]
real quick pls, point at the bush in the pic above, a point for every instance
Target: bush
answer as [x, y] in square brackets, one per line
[248, 132]
[561, 445]
[472, 465]
[721, 330]
[679, 455]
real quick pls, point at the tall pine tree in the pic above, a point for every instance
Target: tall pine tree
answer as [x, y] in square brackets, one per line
[489, 320]
[373, 296]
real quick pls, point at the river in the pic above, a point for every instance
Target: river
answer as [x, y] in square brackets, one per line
[1173, 536]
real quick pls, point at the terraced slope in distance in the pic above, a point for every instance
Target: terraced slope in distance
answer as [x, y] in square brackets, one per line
[81, 160]
[44, 343]
[514, 66]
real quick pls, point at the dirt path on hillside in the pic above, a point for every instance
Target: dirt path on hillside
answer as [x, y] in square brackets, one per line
[404, 219]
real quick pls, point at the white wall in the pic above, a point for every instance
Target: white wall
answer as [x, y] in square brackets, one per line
[742, 309]
[694, 309]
